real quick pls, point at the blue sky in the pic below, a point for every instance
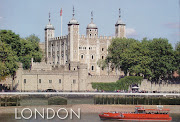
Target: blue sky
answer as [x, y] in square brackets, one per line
[143, 18]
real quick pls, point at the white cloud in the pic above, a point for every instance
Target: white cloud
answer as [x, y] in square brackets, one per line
[131, 32]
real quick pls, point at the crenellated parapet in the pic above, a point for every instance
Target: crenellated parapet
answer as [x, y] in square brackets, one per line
[82, 37]
[58, 38]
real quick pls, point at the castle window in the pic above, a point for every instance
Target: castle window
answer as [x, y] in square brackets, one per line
[102, 57]
[39, 80]
[59, 80]
[95, 34]
[24, 81]
[90, 35]
[92, 68]
[102, 49]
[81, 56]
[74, 81]
[74, 68]
[85, 47]
[90, 29]
[92, 56]
[50, 81]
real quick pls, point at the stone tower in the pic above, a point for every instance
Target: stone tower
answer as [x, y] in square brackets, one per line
[92, 30]
[49, 33]
[73, 35]
[120, 27]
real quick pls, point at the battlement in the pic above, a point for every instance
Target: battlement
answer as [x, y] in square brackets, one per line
[105, 37]
[100, 37]
[58, 38]
[82, 36]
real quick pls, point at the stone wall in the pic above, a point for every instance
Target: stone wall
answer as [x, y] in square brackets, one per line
[163, 87]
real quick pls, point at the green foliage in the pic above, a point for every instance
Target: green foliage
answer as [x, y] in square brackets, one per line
[8, 61]
[24, 49]
[177, 57]
[125, 82]
[122, 84]
[152, 59]
[163, 59]
[102, 63]
[57, 101]
[14, 49]
[104, 86]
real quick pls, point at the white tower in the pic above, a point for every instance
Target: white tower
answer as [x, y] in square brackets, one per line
[49, 33]
[73, 35]
[120, 27]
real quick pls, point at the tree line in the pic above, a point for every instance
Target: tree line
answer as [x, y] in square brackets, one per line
[153, 59]
[15, 50]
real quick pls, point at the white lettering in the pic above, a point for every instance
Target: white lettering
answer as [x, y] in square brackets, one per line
[36, 111]
[48, 113]
[65, 115]
[23, 114]
[77, 115]
[16, 114]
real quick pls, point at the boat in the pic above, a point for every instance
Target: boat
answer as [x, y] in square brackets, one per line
[140, 114]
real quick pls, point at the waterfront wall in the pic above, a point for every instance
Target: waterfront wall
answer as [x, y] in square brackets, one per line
[161, 87]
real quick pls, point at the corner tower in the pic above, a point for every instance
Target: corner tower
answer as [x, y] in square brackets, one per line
[120, 27]
[92, 30]
[49, 33]
[73, 35]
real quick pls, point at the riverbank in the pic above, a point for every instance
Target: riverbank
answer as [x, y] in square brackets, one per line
[87, 108]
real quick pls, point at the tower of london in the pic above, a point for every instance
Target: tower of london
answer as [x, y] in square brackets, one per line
[70, 61]
[73, 49]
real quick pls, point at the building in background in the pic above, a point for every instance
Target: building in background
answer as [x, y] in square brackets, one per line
[70, 61]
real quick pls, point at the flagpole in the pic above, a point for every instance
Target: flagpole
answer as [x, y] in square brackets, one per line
[61, 21]
[61, 25]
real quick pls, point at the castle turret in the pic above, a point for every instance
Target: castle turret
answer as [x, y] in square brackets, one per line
[120, 27]
[73, 35]
[49, 33]
[92, 30]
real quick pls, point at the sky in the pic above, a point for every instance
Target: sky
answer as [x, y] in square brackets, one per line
[143, 18]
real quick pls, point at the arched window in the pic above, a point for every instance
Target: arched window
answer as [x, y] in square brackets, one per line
[90, 35]
[102, 57]
[92, 57]
[92, 67]
[82, 56]
[102, 49]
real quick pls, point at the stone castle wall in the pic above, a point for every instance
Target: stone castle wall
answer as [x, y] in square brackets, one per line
[163, 87]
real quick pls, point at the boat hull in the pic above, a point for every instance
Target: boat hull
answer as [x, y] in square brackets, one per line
[137, 117]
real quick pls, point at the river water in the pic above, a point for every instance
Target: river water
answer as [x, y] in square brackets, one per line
[84, 118]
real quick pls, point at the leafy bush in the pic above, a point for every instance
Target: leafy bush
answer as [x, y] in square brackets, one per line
[122, 84]
[57, 101]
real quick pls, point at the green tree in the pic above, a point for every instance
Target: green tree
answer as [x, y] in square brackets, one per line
[142, 59]
[120, 53]
[8, 61]
[30, 49]
[177, 57]
[24, 48]
[163, 58]
[14, 49]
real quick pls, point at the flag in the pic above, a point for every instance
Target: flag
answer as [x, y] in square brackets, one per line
[61, 12]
